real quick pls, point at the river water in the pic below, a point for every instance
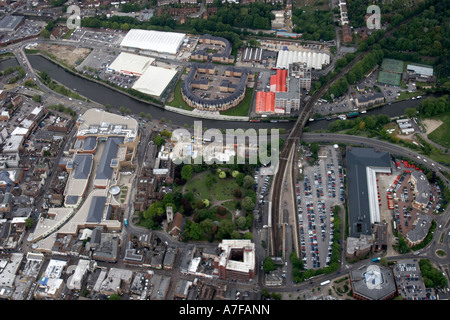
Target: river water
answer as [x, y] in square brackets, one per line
[104, 95]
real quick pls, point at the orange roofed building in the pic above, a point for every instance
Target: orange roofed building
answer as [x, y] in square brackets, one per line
[278, 81]
[265, 102]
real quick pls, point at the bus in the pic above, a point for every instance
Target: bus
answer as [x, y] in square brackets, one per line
[125, 221]
[325, 282]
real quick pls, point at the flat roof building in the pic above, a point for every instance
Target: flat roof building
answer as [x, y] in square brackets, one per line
[130, 64]
[314, 60]
[362, 166]
[373, 283]
[11, 23]
[237, 260]
[151, 40]
[265, 102]
[155, 81]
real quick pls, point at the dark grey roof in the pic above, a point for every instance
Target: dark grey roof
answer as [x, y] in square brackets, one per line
[82, 164]
[71, 199]
[96, 235]
[9, 22]
[358, 159]
[374, 96]
[96, 209]
[363, 282]
[90, 143]
[104, 169]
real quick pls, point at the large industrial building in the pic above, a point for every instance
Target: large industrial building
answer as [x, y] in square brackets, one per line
[155, 81]
[284, 95]
[11, 23]
[315, 60]
[363, 206]
[153, 41]
[130, 64]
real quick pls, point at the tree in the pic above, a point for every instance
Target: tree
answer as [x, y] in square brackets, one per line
[241, 222]
[29, 222]
[186, 172]
[237, 192]
[45, 33]
[222, 174]
[235, 173]
[195, 231]
[248, 182]
[268, 265]
[248, 204]
[240, 179]
[158, 140]
[410, 112]
[207, 226]
[226, 227]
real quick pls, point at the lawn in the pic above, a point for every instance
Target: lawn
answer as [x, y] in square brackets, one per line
[441, 135]
[197, 186]
[223, 190]
[177, 100]
[243, 108]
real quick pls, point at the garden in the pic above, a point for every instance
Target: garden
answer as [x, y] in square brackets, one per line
[216, 203]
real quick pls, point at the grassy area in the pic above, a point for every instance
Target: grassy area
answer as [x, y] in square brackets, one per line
[68, 34]
[224, 189]
[243, 108]
[177, 98]
[404, 95]
[441, 135]
[230, 205]
[197, 186]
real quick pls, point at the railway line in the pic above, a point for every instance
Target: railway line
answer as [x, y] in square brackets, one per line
[292, 145]
[292, 142]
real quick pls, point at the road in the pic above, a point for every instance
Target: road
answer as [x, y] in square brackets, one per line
[381, 145]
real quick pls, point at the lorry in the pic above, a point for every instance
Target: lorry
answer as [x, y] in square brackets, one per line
[376, 259]
[125, 221]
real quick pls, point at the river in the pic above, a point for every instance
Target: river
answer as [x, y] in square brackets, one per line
[104, 95]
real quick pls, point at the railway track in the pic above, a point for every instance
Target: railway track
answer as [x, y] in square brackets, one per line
[292, 142]
[294, 139]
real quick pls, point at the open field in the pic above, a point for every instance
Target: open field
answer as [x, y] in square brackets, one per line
[66, 54]
[441, 134]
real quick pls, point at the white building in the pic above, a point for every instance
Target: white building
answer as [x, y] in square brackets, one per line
[150, 40]
[130, 64]
[314, 60]
[154, 81]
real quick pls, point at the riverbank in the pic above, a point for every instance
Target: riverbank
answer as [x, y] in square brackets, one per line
[206, 115]
[76, 73]
[193, 113]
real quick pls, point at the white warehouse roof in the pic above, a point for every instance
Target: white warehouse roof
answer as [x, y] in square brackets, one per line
[154, 80]
[313, 59]
[129, 63]
[165, 42]
[421, 70]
